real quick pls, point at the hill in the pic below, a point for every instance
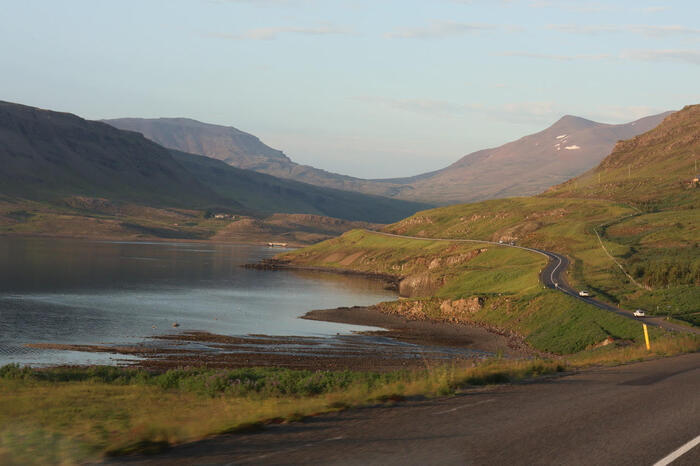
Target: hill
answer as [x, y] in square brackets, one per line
[238, 149]
[224, 143]
[527, 166]
[647, 255]
[50, 156]
[652, 170]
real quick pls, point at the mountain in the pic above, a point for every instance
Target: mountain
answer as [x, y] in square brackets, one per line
[238, 149]
[227, 144]
[527, 166]
[655, 169]
[629, 227]
[51, 156]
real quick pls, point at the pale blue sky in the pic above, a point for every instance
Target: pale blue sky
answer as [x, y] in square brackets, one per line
[368, 88]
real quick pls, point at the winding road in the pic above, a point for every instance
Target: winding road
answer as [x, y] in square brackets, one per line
[553, 275]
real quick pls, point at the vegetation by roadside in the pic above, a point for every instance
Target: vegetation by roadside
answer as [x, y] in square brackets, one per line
[72, 415]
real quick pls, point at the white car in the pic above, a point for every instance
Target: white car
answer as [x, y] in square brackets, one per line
[584, 293]
[639, 313]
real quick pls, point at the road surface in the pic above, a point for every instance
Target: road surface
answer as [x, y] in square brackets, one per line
[553, 276]
[636, 414]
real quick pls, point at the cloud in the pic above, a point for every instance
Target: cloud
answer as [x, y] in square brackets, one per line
[680, 56]
[437, 29]
[517, 112]
[647, 30]
[527, 113]
[259, 2]
[547, 56]
[427, 107]
[575, 6]
[655, 9]
[623, 114]
[271, 33]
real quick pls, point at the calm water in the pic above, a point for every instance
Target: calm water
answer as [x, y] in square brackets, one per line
[89, 292]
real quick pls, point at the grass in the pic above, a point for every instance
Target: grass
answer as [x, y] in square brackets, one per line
[661, 346]
[67, 416]
[547, 320]
[506, 279]
[74, 415]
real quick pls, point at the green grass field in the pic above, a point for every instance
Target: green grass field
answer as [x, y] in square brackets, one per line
[507, 279]
[69, 416]
[75, 415]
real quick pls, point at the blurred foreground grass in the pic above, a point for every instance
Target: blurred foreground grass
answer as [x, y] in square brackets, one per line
[72, 415]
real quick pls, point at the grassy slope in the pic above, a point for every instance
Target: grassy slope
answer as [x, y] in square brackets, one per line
[652, 170]
[650, 218]
[659, 246]
[505, 278]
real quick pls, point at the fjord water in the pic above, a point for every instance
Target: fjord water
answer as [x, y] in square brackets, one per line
[68, 291]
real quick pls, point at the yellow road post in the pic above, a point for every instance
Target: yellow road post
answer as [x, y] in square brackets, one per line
[646, 337]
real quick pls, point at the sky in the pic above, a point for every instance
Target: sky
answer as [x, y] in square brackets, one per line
[374, 89]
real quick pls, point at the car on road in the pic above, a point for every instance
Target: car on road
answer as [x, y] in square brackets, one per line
[639, 313]
[584, 293]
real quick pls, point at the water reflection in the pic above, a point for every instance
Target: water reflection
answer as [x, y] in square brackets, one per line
[71, 291]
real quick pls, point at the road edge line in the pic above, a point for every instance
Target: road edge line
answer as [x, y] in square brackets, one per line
[682, 450]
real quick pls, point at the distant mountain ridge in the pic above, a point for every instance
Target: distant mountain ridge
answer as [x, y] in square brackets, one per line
[225, 143]
[52, 156]
[238, 149]
[523, 167]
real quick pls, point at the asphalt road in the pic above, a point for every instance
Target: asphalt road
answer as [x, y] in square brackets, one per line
[636, 414]
[553, 275]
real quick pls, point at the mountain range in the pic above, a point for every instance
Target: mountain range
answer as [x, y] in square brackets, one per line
[51, 156]
[523, 167]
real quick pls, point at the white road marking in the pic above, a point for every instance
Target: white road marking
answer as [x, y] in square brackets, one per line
[679, 452]
[464, 406]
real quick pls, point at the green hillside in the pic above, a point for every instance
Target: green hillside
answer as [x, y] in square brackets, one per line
[647, 220]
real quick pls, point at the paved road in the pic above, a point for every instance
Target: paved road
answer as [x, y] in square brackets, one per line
[628, 415]
[553, 276]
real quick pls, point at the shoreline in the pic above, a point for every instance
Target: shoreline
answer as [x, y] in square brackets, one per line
[424, 332]
[403, 345]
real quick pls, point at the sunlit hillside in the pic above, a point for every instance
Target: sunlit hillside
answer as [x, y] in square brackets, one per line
[645, 209]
